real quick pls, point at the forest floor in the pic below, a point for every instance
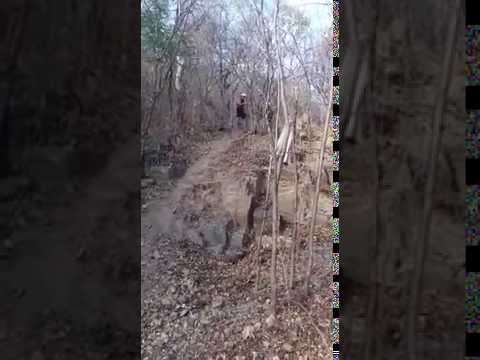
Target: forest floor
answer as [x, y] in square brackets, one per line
[198, 306]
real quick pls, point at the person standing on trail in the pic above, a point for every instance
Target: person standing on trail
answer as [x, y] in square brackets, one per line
[241, 111]
[270, 116]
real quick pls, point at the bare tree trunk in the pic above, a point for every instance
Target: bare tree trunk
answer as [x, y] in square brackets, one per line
[289, 144]
[178, 73]
[251, 112]
[424, 234]
[277, 166]
[156, 95]
[317, 190]
[222, 71]
[260, 236]
[295, 206]
[350, 62]
[267, 197]
[360, 85]
[232, 107]
[147, 121]
[172, 99]
[282, 143]
[275, 225]
[309, 117]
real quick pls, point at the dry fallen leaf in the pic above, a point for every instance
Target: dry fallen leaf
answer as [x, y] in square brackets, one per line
[270, 321]
[247, 332]
[218, 302]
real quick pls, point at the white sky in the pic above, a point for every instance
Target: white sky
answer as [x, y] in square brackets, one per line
[319, 15]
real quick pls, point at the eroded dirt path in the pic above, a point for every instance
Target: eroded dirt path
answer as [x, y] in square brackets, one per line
[159, 223]
[172, 300]
[200, 307]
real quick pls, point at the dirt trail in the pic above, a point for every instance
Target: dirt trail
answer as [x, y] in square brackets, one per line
[196, 306]
[158, 219]
[159, 211]
[174, 277]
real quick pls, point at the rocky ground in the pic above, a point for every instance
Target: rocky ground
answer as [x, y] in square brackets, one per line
[198, 271]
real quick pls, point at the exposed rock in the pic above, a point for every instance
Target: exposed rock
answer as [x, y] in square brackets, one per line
[219, 236]
[214, 236]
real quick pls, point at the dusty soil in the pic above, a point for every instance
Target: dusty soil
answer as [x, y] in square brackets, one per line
[199, 306]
